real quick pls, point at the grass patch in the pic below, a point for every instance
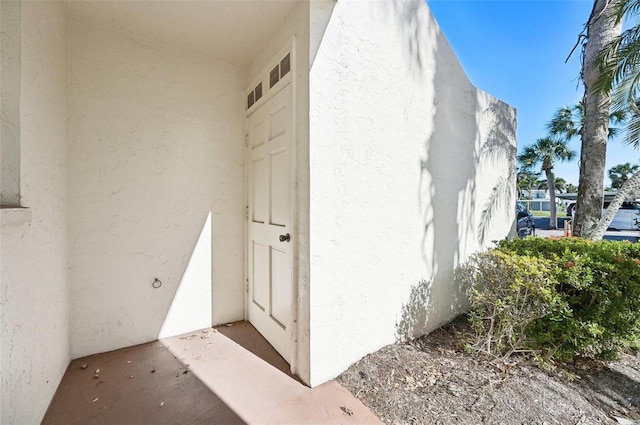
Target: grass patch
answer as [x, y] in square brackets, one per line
[559, 214]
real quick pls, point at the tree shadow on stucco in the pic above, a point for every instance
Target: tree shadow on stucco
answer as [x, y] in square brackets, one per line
[448, 184]
[415, 313]
[469, 130]
[408, 11]
[457, 155]
[496, 149]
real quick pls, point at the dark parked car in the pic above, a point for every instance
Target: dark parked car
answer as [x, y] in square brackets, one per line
[526, 225]
[570, 209]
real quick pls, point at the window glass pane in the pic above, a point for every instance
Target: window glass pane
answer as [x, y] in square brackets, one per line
[250, 100]
[274, 76]
[285, 65]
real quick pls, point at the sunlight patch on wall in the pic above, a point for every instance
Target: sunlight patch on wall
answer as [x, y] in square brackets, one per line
[191, 306]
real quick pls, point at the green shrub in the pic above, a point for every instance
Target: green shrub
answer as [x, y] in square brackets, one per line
[507, 293]
[560, 297]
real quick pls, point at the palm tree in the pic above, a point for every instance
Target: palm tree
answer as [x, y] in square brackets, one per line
[601, 30]
[619, 68]
[526, 180]
[618, 65]
[559, 183]
[541, 184]
[571, 188]
[546, 152]
[621, 173]
[568, 121]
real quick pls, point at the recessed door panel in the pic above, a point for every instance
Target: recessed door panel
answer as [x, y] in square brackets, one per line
[278, 120]
[280, 289]
[280, 188]
[259, 134]
[260, 293]
[260, 194]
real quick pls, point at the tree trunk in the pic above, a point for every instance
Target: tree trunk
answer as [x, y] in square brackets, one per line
[553, 214]
[601, 29]
[628, 189]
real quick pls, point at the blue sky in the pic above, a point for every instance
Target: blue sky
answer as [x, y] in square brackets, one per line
[516, 51]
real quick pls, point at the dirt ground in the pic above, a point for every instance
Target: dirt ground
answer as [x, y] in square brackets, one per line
[433, 381]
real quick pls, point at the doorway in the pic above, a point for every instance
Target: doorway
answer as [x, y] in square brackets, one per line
[269, 234]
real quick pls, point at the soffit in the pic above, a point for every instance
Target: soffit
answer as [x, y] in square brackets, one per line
[231, 31]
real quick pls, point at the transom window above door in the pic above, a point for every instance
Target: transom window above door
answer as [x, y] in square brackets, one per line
[276, 74]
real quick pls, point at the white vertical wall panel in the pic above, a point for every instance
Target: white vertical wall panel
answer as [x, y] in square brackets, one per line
[34, 296]
[156, 147]
[399, 179]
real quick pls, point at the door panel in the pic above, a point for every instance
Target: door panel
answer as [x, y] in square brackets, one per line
[280, 188]
[269, 257]
[260, 185]
[278, 119]
[281, 289]
[260, 133]
[260, 294]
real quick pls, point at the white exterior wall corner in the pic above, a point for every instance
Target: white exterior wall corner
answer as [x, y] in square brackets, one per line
[156, 160]
[400, 176]
[296, 27]
[33, 253]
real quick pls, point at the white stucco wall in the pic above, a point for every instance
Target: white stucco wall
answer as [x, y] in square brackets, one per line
[399, 179]
[156, 148]
[132, 166]
[34, 323]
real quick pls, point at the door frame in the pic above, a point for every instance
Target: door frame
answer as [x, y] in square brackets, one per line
[290, 78]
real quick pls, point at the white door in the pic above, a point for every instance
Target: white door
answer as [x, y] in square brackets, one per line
[269, 230]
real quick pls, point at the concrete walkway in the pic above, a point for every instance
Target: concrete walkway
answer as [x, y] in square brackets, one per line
[227, 375]
[261, 394]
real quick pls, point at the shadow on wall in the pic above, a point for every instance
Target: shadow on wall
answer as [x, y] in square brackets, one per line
[497, 150]
[412, 24]
[451, 228]
[471, 132]
[448, 183]
[415, 312]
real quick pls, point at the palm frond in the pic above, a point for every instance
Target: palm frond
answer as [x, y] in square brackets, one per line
[546, 152]
[529, 157]
[623, 8]
[618, 59]
[567, 121]
[618, 116]
[632, 136]
[501, 196]
[626, 8]
[497, 144]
